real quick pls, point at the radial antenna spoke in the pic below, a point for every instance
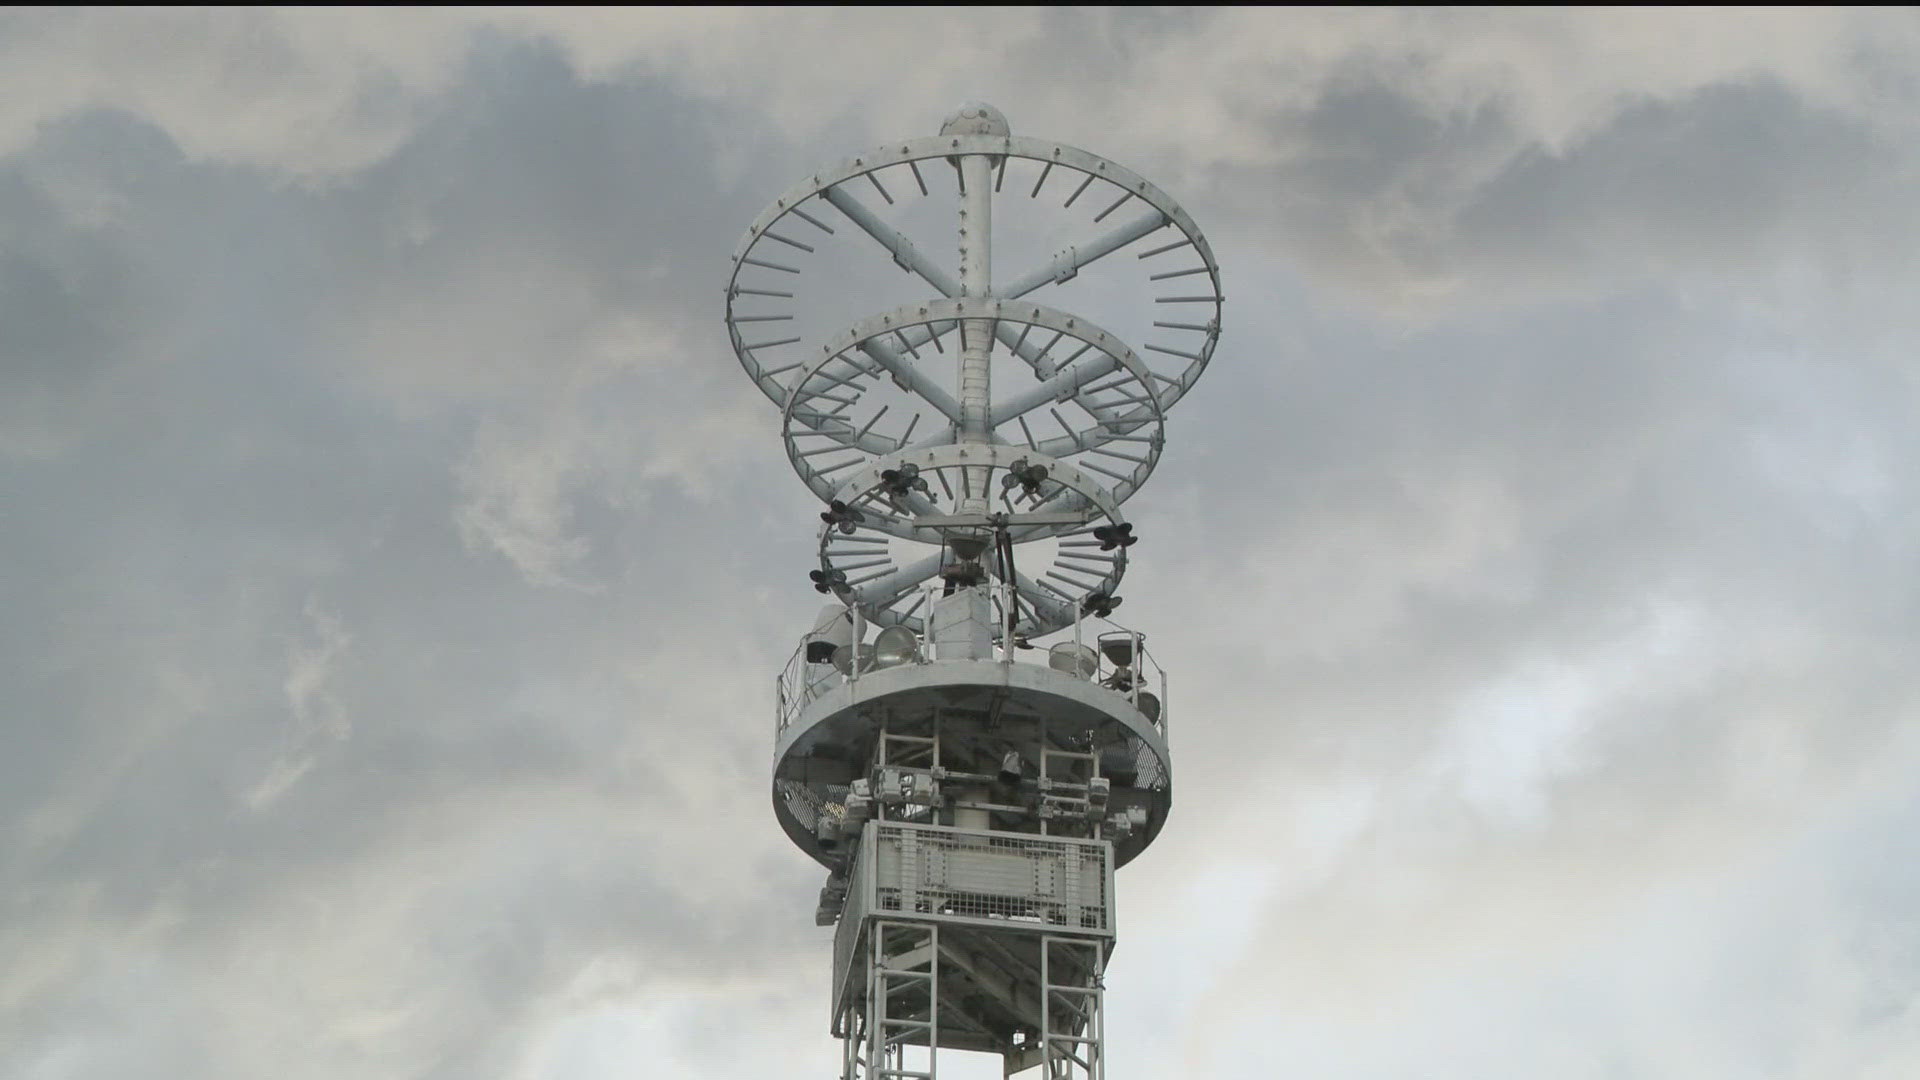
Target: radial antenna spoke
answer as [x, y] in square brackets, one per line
[1063, 384]
[975, 374]
[1080, 256]
[904, 253]
[911, 377]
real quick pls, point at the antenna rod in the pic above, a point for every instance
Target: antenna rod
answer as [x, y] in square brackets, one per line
[976, 280]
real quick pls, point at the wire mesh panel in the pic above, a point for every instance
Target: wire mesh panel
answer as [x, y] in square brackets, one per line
[1001, 882]
[1046, 882]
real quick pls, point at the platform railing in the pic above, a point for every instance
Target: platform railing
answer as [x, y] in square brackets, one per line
[1091, 653]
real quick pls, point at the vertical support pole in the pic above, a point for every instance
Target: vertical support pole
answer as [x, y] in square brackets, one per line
[859, 634]
[853, 1061]
[976, 335]
[933, 1001]
[929, 648]
[876, 1000]
[1139, 672]
[1097, 1024]
[1047, 1071]
[1009, 613]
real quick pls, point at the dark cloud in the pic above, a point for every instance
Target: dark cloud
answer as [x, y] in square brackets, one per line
[254, 655]
[1379, 188]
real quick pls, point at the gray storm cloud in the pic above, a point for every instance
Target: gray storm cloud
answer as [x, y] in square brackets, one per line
[396, 562]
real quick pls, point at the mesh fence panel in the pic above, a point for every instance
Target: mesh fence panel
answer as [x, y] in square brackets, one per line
[1043, 881]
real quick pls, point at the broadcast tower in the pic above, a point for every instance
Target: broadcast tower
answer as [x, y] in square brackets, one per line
[965, 739]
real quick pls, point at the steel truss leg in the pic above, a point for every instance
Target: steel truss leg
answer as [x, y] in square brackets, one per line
[853, 1041]
[1073, 1029]
[903, 1003]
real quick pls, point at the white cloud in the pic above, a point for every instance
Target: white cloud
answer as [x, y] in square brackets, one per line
[319, 718]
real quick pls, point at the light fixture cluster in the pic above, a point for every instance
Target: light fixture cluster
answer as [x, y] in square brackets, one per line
[903, 481]
[1028, 477]
[844, 517]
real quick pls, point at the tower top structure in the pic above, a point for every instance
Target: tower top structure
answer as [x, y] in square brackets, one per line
[972, 425]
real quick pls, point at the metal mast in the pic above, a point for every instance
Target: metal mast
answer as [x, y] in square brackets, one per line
[970, 789]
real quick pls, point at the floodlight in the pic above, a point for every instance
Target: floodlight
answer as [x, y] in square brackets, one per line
[842, 516]
[1149, 706]
[1074, 659]
[903, 481]
[893, 646]
[1028, 477]
[843, 658]
[1117, 647]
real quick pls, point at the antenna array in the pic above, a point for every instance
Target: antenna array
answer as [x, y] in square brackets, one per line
[969, 788]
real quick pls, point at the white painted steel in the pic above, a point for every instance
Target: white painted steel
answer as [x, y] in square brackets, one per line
[970, 796]
[1069, 506]
[839, 711]
[823, 399]
[768, 278]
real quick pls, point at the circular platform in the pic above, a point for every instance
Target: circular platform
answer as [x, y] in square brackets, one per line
[830, 741]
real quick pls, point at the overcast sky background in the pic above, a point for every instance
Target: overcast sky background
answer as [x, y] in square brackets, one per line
[394, 561]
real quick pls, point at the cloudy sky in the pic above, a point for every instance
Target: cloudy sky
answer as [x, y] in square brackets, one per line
[394, 561]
